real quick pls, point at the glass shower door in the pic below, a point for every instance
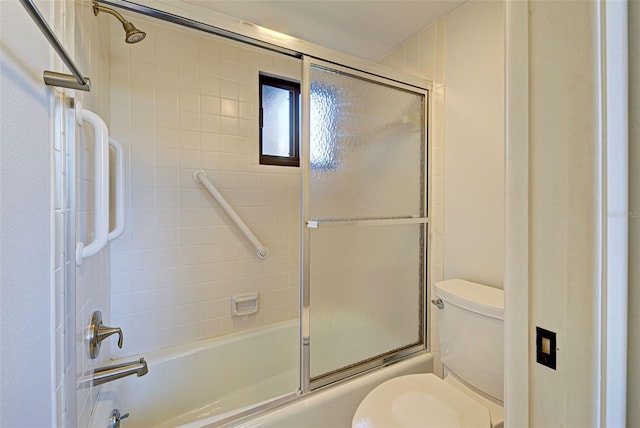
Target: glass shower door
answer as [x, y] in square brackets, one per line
[365, 213]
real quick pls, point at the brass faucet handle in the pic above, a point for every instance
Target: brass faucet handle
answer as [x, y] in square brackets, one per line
[99, 332]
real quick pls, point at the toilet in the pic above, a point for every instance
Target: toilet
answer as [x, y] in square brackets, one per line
[470, 326]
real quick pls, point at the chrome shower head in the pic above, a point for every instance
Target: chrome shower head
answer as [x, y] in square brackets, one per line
[132, 34]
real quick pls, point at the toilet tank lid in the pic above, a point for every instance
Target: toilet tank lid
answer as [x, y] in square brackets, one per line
[474, 297]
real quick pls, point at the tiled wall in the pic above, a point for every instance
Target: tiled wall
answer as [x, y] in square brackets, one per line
[93, 276]
[423, 56]
[182, 101]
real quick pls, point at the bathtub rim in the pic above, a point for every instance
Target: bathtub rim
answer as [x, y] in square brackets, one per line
[179, 351]
[240, 418]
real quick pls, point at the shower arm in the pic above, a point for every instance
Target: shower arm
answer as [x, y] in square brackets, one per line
[97, 8]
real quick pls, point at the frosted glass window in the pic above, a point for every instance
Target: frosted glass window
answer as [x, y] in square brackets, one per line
[279, 118]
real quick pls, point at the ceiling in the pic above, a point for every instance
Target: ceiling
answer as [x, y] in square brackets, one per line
[365, 28]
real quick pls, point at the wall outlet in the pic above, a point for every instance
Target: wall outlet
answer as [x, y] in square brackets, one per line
[546, 347]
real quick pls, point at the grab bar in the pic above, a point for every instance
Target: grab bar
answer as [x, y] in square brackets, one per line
[119, 189]
[101, 183]
[52, 78]
[200, 176]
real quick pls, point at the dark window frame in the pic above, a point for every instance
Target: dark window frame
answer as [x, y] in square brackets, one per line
[294, 122]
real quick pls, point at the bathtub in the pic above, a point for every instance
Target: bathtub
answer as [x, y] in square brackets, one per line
[200, 384]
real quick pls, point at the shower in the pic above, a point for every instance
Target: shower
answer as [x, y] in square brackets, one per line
[184, 282]
[133, 35]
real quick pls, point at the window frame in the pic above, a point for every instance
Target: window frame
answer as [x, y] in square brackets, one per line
[294, 121]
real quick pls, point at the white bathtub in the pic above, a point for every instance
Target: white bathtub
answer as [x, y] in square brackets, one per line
[195, 385]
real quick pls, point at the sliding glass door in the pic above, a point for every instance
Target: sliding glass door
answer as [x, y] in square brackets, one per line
[364, 151]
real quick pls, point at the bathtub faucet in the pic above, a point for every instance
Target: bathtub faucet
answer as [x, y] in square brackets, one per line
[117, 371]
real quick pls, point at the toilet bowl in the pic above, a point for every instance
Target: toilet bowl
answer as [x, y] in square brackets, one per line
[420, 400]
[470, 395]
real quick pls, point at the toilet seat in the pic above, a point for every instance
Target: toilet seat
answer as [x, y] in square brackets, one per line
[419, 401]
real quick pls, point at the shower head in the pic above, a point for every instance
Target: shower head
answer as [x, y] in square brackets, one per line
[132, 34]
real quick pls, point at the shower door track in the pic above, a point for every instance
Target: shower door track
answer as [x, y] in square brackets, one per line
[251, 34]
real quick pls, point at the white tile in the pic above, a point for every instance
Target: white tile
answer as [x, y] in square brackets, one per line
[247, 93]
[143, 175]
[209, 85]
[228, 143]
[192, 198]
[147, 279]
[188, 82]
[229, 107]
[229, 89]
[209, 58]
[189, 101]
[167, 137]
[189, 159]
[166, 50]
[142, 156]
[210, 104]
[167, 76]
[142, 73]
[165, 198]
[229, 126]
[189, 61]
[210, 123]
[209, 141]
[229, 52]
[248, 75]
[412, 56]
[188, 140]
[247, 110]
[229, 70]
[167, 235]
[166, 158]
[188, 120]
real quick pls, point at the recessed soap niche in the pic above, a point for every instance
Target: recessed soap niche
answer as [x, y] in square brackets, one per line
[245, 304]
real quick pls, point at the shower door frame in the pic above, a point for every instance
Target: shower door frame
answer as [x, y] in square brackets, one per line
[307, 383]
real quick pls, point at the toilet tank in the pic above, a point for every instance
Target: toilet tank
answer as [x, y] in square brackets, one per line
[470, 326]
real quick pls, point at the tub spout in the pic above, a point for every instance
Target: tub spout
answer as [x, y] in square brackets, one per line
[117, 371]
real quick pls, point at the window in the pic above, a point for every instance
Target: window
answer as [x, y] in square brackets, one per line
[279, 122]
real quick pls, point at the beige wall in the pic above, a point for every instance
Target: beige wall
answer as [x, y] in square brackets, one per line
[564, 142]
[27, 319]
[474, 144]
[633, 387]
